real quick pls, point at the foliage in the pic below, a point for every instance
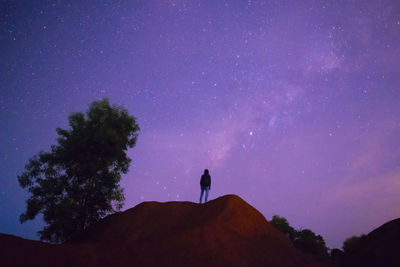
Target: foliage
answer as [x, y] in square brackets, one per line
[77, 183]
[337, 257]
[282, 225]
[305, 240]
[308, 241]
[351, 242]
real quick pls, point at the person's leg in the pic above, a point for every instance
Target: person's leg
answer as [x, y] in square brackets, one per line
[201, 194]
[207, 189]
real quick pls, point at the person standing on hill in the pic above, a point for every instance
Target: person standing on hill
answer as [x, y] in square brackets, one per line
[205, 184]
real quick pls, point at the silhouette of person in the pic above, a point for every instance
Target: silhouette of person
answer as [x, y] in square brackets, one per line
[205, 184]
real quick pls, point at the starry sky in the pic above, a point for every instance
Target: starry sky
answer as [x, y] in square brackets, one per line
[292, 105]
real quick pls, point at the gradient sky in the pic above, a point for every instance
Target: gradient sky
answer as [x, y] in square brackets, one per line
[292, 105]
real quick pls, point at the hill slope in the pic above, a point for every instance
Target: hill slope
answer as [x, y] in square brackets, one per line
[224, 232]
[379, 248]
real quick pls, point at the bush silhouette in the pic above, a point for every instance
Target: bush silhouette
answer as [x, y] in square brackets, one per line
[305, 240]
[308, 241]
[282, 225]
[351, 243]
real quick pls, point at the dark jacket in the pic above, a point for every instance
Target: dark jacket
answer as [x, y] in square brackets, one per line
[205, 180]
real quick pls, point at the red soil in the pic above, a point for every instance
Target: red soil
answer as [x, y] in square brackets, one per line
[224, 232]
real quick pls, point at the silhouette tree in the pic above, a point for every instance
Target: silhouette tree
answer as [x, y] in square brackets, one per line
[351, 243]
[305, 240]
[77, 183]
[337, 257]
[282, 225]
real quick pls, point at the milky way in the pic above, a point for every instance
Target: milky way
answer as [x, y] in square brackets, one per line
[292, 105]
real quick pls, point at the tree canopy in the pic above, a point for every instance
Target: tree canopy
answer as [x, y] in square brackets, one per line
[305, 240]
[351, 243]
[77, 182]
[308, 241]
[282, 224]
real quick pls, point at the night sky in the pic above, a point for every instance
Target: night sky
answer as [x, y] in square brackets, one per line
[292, 105]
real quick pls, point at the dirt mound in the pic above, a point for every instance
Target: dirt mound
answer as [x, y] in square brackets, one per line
[224, 232]
[379, 248]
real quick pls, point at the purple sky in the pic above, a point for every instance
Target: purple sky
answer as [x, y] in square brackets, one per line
[292, 105]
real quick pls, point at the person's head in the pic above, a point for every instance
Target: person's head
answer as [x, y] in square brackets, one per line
[205, 171]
